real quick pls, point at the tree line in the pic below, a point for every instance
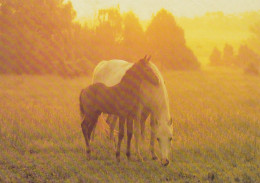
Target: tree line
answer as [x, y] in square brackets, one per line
[42, 37]
[247, 57]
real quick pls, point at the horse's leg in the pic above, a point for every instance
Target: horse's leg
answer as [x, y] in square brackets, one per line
[129, 136]
[120, 136]
[111, 121]
[112, 129]
[137, 134]
[153, 123]
[137, 131]
[144, 116]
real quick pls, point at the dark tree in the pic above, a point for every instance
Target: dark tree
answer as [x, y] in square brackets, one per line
[228, 55]
[166, 43]
[215, 57]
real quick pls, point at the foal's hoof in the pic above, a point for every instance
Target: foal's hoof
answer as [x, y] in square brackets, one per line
[88, 155]
[118, 157]
[128, 155]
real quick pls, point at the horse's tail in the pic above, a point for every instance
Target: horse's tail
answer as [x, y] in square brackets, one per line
[82, 112]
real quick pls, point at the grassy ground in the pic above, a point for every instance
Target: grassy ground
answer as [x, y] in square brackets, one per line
[216, 132]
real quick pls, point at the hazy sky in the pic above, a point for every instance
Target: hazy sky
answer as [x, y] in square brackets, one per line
[145, 8]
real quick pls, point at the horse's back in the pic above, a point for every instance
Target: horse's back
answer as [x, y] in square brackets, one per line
[110, 72]
[88, 95]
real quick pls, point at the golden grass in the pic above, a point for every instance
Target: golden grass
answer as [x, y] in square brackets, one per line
[216, 132]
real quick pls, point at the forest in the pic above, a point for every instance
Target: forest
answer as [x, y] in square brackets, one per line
[36, 42]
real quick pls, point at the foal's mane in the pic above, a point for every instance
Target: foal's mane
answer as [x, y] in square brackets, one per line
[132, 75]
[129, 73]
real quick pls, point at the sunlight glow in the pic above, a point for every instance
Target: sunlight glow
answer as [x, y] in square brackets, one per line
[146, 8]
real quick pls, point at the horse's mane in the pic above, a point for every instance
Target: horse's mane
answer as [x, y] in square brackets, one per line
[132, 75]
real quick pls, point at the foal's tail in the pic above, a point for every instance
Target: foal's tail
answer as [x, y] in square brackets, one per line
[82, 112]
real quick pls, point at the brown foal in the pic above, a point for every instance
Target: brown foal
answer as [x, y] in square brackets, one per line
[121, 100]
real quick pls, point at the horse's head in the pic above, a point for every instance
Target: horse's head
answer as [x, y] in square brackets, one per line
[164, 138]
[143, 71]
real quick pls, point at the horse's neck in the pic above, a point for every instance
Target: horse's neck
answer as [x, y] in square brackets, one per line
[162, 114]
[157, 100]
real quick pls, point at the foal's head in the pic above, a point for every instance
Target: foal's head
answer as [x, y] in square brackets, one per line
[141, 70]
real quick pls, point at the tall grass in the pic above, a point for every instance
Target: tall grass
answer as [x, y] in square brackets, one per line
[216, 132]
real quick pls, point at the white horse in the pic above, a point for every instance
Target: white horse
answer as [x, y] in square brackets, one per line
[154, 100]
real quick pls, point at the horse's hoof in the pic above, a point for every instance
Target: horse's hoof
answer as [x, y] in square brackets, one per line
[88, 154]
[140, 158]
[88, 157]
[144, 159]
[118, 159]
[128, 156]
[154, 158]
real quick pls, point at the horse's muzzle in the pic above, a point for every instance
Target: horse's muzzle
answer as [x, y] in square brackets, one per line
[165, 162]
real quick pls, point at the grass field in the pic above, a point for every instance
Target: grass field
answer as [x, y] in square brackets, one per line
[216, 132]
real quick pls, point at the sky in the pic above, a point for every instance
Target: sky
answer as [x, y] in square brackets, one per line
[182, 8]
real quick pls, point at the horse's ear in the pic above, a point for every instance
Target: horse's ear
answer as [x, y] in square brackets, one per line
[149, 58]
[146, 59]
[143, 60]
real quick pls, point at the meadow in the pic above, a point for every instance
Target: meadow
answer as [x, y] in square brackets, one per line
[216, 132]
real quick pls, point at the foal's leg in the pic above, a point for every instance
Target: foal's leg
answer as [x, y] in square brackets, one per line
[84, 127]
[129, 136]
[120, 136]
[87, 126]
[154, 156]
[93, 134]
